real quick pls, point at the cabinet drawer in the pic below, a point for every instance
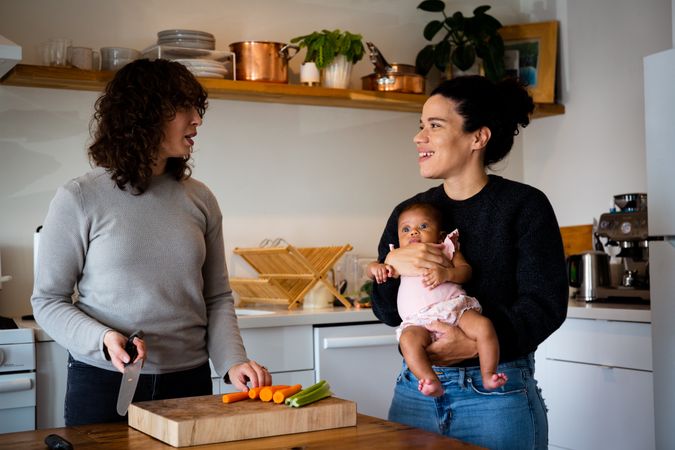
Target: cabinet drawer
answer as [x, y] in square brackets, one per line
[592, 407]
[602, 342]
[361, 363]
[17, 419]
[280, 349]
[17, 390]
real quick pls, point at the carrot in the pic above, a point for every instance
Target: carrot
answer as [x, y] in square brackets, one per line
[267, 392]
[254, 393]
[283, 394]
[234, 397]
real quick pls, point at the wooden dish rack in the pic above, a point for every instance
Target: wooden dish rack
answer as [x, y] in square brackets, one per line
[286, 274]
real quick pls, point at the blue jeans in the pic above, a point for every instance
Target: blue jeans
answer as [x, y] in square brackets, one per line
[511, 417]
[91, 393]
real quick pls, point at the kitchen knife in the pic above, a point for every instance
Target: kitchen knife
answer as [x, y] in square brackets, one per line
[132, 371]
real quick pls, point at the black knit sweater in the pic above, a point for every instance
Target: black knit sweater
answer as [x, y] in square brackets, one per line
[510, 236]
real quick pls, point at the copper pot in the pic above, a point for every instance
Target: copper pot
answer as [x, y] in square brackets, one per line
[262, 61]
[401, 78]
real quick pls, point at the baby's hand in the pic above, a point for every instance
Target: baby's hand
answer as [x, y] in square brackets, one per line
[435, 276]
[381, 272]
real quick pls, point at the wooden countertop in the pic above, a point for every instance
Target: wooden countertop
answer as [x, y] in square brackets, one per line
[369, 432]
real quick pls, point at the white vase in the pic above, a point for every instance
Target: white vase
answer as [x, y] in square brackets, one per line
[338, 73]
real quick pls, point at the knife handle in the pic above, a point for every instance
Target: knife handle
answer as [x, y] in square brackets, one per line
[56, 442]
[130, 347]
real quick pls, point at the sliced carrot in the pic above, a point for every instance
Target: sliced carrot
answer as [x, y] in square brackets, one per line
[234, 397]
[282, 394]
[254, 393]
[267, 392]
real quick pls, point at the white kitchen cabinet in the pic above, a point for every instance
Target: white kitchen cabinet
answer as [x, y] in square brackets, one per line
[285, 343]
[360, 362]
[286, 351]
[596, 377]
[52, 372]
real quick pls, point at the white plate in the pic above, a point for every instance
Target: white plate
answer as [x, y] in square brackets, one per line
[190, 44]
[184, 39]
[199, 62]
[220, 70]
[185, 33]
[206, 73]
[168, 52]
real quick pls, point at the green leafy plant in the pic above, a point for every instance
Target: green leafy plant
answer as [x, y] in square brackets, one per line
[322, 47]
[367, 288]
[465, 39]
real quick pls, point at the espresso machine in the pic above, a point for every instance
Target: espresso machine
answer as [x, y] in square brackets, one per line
[627, 241]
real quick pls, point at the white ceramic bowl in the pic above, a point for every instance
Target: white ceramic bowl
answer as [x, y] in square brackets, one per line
[114, 58]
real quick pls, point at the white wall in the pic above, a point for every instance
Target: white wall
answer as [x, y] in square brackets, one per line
[320, 175]
[596, 150]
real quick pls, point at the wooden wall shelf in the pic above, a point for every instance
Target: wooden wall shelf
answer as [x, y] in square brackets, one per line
[85, 80]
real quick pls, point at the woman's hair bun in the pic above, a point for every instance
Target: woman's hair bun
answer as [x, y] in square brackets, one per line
[516, 102]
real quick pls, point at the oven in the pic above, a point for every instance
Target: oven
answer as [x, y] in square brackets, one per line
[17, 377]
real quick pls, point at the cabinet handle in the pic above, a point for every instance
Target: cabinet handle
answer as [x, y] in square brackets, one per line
[24, 384]
[603, 366]
[359, 341]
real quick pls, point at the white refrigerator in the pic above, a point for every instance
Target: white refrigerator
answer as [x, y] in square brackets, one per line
[659, 90]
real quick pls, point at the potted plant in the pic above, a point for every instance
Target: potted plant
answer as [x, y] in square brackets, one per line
[333, 52]
[465, 39]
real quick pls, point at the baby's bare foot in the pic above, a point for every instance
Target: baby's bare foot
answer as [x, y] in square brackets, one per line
[495, 380]
[432, 388]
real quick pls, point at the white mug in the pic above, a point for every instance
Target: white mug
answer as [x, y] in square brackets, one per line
[81, 57]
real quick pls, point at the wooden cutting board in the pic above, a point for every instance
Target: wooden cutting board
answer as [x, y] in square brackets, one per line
[189, 421]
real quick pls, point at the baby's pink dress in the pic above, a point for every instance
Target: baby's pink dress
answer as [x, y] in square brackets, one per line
[419, 305]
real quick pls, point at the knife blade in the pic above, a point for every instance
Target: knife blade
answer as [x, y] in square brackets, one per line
[132, 372]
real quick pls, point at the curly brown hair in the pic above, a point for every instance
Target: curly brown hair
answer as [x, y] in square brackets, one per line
[130, 117]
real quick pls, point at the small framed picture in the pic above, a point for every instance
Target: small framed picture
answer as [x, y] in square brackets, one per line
[530, 54]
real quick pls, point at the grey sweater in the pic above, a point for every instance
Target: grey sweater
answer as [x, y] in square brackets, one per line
[154, 262]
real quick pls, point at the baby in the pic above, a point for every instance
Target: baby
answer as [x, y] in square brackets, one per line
[437, 295]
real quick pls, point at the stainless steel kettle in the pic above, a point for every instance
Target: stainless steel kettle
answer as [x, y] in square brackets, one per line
[588, 271]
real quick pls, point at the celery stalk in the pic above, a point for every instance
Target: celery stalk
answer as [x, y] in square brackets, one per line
[306, 391]
[311, 397]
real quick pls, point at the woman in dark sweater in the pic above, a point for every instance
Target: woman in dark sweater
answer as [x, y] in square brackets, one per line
[511, 239]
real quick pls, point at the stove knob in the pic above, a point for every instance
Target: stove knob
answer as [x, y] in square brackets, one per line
[626, 227]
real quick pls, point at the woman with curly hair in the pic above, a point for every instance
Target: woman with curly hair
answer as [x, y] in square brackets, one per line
[142, 243]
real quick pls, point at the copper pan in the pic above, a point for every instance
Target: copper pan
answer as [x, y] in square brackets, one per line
[400, 78]
[262, 61]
